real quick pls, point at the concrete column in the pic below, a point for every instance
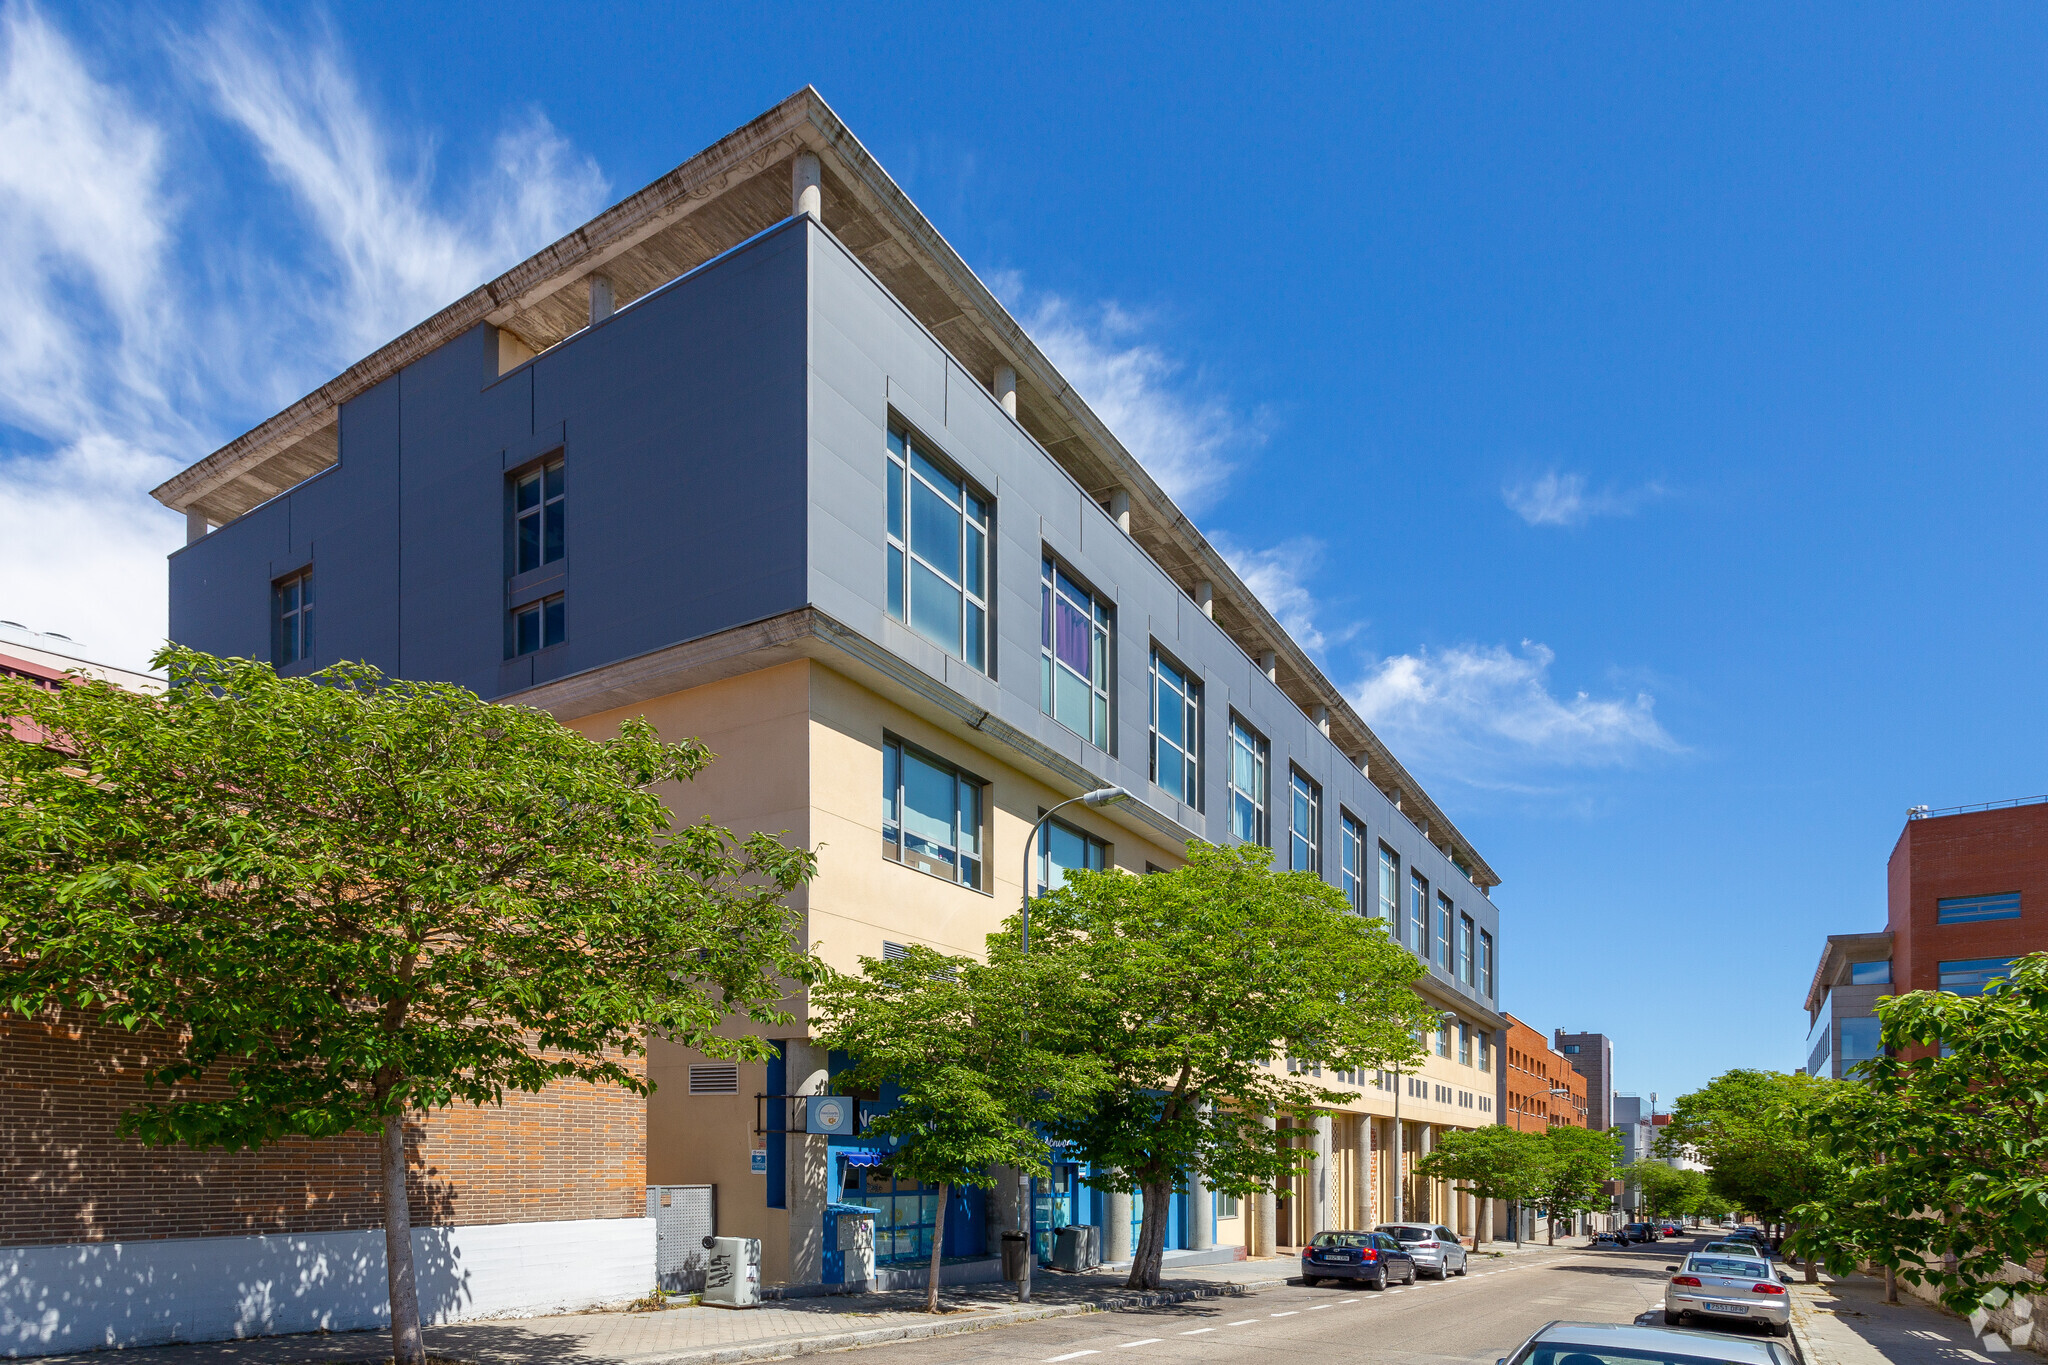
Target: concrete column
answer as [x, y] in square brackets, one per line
[1362, 1153]
[195, 525]
[1201, 1216]
[1359, 761]
[1006, 388]
[807, 1075]
[1116, 1232]
[603, 301]
[1269, 664]
[1205, 598]
[1268, 1209]
[807, 186]
[1426, 1143]
[1120, 509]
[1319, 715]
[1324, 1190]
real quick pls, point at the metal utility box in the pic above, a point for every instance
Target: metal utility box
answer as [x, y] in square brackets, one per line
[850, 1245]
[732, 1279]
[684, 1215]
[1074, 1248]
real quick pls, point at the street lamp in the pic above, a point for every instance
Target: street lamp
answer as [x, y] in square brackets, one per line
[1099, 798]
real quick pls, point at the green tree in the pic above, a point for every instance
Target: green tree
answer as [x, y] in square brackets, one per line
[1192, 986]
[1577, 1166]
[953, 1037]
[1491, 1163]
[1944, 1143]
[350, 899]
[1667, 1192]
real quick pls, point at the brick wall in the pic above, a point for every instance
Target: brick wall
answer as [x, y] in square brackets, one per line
[1975, 853]
[572, 1151]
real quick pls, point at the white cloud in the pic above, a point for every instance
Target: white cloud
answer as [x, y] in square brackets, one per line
[1187, 441]
[1487, 716]
[139, 337]
[1563, 500]
[1275, 576]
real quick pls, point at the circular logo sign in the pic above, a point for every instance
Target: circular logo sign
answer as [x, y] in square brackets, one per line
[831, 1114]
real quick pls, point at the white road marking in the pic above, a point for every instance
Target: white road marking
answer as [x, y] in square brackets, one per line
[1318, 1308]
[1071, 1355]
[1347, 1300]
[1148, 1341]
[1241, 1322]
[1198, 1331]
[1288, 1314]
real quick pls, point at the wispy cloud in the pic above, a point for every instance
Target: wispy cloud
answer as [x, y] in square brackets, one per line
[1278, 576]
[1189, 440]
[1557, 499]
[141, 334]
[1487, 716]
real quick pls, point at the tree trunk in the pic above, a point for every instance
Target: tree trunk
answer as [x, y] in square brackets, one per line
[931, 1290]
[406, 1346]
[1151, 1246]
[1891, 1285]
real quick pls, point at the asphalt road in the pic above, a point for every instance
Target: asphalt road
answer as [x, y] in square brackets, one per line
[1473, 1320]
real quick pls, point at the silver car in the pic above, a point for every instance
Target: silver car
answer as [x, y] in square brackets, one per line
[1615, 1343]
[1724, 1287]
[1437, 1250]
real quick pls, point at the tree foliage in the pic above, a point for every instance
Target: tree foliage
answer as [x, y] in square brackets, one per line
[1754, 1133]
[974, 1084]
[1491, 1163]
[351, 898]
[1577, 1166]
[1191, 986]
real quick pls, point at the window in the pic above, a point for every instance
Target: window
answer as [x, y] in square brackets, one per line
[1464, 1044]
[1861, 1040]
[1352, 835]
[1418, 914]
[1247, 784]
[1390, 890]
[1485, 1053]
[1971, 976]
[931, 815]
[538, 528]
[1226, 1206]
[1871, 973]
[1466, 971]
[1443, 1038]
[1305, 843]
[538, 625]
[1486, 971]
[293, 604]
[1073, 661]
[1973, 909]
[717, 1078]
[938, 553]
[1062, 848]
[1570, 1049]
[1443, 931]
[1176, 731]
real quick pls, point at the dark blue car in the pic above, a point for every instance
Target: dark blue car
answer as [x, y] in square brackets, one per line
[1373, 1258]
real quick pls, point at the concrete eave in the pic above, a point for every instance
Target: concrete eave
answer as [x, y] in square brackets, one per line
[1838, 952]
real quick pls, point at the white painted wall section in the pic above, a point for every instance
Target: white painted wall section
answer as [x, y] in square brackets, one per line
[90, 1295]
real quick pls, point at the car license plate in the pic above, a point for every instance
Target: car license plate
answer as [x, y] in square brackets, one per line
[1742, 1308]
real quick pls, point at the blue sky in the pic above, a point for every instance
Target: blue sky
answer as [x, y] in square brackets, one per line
[1637, 410]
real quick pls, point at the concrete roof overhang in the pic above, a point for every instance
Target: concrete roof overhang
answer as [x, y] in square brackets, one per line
[731, 190]
[1841, 950]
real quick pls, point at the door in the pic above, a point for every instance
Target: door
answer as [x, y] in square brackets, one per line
[684, 1215]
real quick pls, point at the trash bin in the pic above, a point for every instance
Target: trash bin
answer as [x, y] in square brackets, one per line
[732, 1279]
[1015, 1246]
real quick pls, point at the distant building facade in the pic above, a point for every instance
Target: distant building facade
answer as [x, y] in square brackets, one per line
[1532, 1075]
[1592, 1056]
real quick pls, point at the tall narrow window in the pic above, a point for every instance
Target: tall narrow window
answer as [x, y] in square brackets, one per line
[1305, 841]
[1465, 950]
[1418, 914]
[1464, 1044]
[1486, 969]
[931, 815]
[1073, 662]
[1353, 835]
[1485, 1052]
[1390, 890]
[1176, 731]
[938, 553]
[539, 525]
[1062, 849]
[1443, 931]
[1247, 783]
[538, 625]
[292, 600]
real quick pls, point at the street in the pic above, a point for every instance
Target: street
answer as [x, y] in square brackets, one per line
[1478, 1318]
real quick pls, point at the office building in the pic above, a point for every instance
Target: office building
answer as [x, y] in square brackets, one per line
[1592, 1056]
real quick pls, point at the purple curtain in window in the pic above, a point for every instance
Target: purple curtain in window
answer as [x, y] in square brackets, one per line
[1075, 637]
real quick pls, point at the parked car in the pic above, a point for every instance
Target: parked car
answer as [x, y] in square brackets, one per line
[1738, 1246]
[1673, 1230]
[1437, 1250]
[1639, 1232]
[1556, 1343]
[1372, 1258]
[1607, 1239]
[1725, 1287]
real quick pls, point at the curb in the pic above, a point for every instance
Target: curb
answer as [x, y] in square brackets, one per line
[784, 1348]
[1802, 1344]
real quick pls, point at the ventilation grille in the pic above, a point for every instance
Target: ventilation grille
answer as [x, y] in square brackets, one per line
[893, 951]
[718, 1078]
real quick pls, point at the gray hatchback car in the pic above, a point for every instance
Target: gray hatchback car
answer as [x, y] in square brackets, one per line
[1437, 1250]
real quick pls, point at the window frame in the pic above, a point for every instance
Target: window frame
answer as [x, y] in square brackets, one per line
[1486, 968]
[1304, 850]
[1388, 892]
[1418, 913]
[1042, 863]
[1444, 911]
[1977, 909]
[1351, 860]
[1056, 582]
[550, 617]
[894, 808]
[901, 451]
[1468, 950]
[1872, 980]
[551, 533]
[1242, 735]
[1189, 755]
[298, 619]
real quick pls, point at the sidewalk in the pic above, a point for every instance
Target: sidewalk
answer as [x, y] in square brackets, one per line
[718, 1336]
[1847, 1322]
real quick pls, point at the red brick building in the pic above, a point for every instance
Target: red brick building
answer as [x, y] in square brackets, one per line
[1967, 891]
[1531, 1070]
